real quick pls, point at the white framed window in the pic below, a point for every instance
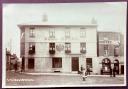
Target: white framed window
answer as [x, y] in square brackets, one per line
[83, 47]
[32, 32]
[52, 33]
[67, 34]
[82, 32]
[67, 47]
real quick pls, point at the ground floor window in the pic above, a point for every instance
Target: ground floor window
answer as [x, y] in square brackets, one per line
[31, 63]
[57, 62]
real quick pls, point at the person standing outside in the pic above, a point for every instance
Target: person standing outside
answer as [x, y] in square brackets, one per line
[114, 71]
[84, 74]
[88, 70]
[110, 72]
[81, 69]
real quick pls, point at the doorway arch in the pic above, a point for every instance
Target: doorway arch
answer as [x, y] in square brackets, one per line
[106, 66]
[116, 65]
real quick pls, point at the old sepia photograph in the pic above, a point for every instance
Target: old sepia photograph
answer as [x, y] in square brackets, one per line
[64, 44]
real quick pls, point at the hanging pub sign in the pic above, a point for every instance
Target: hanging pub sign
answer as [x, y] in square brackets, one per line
[116, 51]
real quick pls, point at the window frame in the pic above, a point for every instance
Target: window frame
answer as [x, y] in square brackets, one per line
[67, 33]
[82, 32]
[67, 47]
[32, 47]
[83, 47]
[51, 33]
[32, 32]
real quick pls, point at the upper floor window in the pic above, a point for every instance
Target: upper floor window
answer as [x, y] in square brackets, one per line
[106, 47]
[32, 32]
[52, 48]
[83, 47]
[31, 48]
[52, 33]
[67, 47]
[82, 33]
[67, 34]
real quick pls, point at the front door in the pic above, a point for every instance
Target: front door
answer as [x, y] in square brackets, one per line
[75, 63]
[31, 63]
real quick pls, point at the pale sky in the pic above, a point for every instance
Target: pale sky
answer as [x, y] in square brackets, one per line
[109, 16]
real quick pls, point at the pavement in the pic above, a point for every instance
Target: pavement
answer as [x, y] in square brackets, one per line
[46, 79]
[68, 74]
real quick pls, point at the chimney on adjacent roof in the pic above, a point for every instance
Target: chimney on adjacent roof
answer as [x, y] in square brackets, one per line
[94, 21]
[45, 18]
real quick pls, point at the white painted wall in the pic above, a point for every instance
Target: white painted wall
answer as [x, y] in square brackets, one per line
[43, 61]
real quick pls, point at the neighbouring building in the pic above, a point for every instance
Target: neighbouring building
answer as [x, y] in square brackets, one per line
[111, 51]
[57, 47]
[11, 59]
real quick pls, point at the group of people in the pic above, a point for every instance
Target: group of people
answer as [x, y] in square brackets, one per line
[18, 67]
[85, 72]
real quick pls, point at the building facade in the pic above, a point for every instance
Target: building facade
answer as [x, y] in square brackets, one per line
[58, 48]
[48, 47]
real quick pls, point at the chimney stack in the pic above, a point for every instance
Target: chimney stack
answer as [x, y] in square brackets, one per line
[94, 21]
[45, 18]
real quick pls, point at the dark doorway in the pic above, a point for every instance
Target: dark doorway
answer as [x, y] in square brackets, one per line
[75, 63]
[56, 62]
[116, 65]
[23, 64]
[122, 69]
[89, 64]
[106, 66]
[31, 63]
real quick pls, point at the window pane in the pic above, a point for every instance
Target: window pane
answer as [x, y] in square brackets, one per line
[52, 33]
[31, 32]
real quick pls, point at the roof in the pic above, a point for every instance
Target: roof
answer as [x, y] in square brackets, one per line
[49, 23]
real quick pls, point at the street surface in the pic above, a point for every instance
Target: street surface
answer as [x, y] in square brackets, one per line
[23, 79]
